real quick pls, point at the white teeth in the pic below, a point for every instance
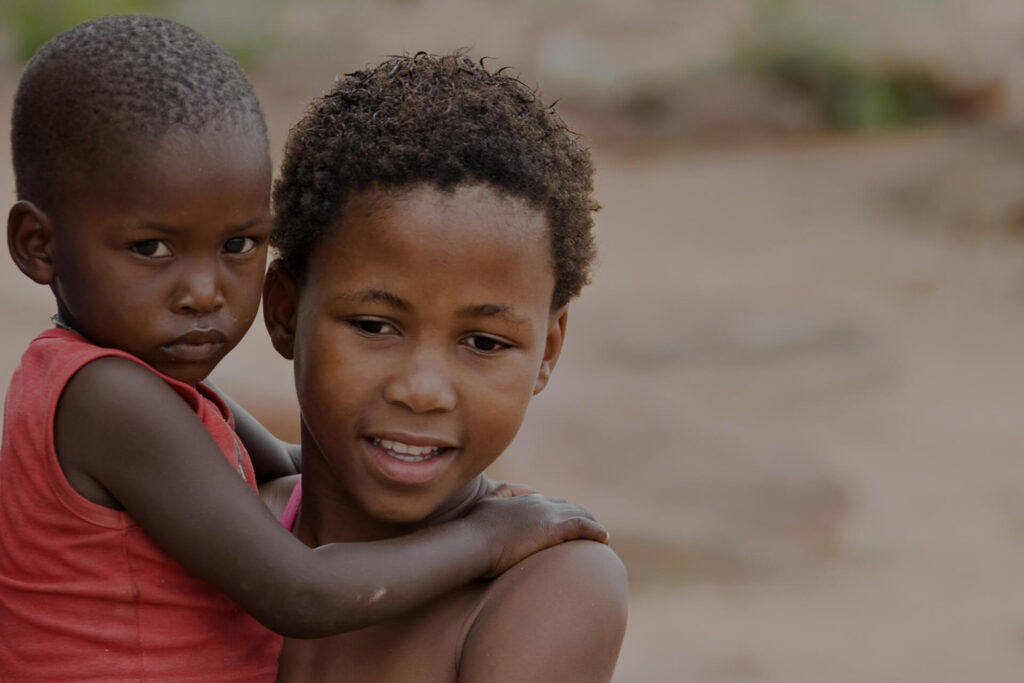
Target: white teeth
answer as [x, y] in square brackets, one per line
[407, 452]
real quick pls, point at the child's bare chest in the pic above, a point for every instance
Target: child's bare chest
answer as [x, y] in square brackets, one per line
[423, 645]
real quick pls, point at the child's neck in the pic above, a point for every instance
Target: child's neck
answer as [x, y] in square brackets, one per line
[327, 515]
[61, 323]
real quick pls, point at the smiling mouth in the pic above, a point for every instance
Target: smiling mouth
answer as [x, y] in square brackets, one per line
[408, 452]
[410, 464]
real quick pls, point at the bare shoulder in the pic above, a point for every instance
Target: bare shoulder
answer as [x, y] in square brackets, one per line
[577, 566]
[558, 615]
[113, 382]
[111, 410]
[113, 401]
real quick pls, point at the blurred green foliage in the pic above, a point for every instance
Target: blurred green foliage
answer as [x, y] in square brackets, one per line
[33, 22]
[30, 23]
[858, 97]
[810, 54]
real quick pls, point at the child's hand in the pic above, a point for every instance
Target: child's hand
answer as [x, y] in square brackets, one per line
[520, 525]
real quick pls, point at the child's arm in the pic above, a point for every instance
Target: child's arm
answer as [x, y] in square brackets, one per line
[559, 615]
[126, 439]
[271, 457]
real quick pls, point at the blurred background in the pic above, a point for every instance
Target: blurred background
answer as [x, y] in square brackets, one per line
[792, 390]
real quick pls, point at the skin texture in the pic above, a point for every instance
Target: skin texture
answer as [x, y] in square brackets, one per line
[425, 318]
[150, 256]
[132, 243]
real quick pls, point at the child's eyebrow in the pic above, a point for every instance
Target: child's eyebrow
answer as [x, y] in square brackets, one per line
[472, 311]
[252, 222]
[174, 229]
[381, 295]
[492, 311]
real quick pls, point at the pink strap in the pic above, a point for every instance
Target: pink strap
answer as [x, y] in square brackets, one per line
[291, 508]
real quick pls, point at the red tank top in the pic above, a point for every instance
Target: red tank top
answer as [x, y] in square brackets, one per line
[84, 593]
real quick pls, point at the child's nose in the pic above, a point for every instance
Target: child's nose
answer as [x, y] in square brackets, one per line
[422, 384]
[199, 291]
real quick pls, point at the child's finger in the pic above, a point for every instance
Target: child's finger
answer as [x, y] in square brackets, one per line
[582, 527]
[512, 489]
[577, 510]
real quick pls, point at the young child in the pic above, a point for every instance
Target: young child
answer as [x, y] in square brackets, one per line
[132, 543]
[433, 221]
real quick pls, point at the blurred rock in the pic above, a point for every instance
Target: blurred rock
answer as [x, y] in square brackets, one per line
[975, 188]
[765, 356]
[726, 107]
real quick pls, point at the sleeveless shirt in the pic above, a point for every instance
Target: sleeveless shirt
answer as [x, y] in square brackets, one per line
[85, 594]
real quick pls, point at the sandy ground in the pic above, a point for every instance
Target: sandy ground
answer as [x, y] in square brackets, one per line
[791, 392]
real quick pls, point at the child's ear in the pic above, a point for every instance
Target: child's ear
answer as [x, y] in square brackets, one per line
[279, 309]
[552, 347]
[30, 241]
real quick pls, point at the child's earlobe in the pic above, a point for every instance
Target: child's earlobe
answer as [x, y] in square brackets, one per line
[279, 309]
[30, 241]
[552, 347]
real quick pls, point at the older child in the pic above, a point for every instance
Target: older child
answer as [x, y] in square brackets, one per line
[433, 222]
[127, 511]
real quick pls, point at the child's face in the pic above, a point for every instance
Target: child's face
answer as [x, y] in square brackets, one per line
[164, 256]
[420, 332]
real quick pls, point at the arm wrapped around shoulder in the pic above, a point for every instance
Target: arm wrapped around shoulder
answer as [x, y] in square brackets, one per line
[559, 615]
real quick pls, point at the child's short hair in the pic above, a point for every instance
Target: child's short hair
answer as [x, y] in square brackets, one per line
[114, 81]
[443, 120]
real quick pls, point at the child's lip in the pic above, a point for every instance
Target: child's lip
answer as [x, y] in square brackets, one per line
[407, 469]
[200, 337]
[411, 439]
[197, 345]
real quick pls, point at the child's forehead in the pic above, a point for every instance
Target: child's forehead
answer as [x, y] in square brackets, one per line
[505, 215]
[437, 236]
[138, 176]
[236, 143]
[116, 157]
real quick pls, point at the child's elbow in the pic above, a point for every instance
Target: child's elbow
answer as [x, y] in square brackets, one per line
[310, 609]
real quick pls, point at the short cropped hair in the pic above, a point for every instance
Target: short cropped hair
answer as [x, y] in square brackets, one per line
[118, 81]
[440, 120]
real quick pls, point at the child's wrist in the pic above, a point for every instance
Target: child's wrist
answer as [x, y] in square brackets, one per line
[479, 545]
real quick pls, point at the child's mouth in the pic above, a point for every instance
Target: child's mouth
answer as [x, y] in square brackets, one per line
[407, 452]
[197, 346]
[193, 352]
[410, 464]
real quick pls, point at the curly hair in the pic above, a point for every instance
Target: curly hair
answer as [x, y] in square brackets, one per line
[442, 120]
[115, 81]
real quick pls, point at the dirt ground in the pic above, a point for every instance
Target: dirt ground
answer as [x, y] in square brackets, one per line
[792, 391]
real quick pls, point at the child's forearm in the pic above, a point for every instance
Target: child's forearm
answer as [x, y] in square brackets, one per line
[358, 584]
[349, 586]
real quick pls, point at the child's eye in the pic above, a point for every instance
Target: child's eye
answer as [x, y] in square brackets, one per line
[373, 326]
[483, 343]
[240, 245]
[151, 248]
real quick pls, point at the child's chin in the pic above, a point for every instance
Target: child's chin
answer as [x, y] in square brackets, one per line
[187, 374]
[402, 512]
